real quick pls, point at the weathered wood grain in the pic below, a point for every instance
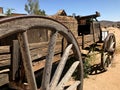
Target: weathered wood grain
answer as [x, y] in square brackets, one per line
[74, 86]
[27, 62]
[19, 25]
[3, 79]
[15, 61]
[4, 50]
[67, 76]
[60, 68]
[48, 64]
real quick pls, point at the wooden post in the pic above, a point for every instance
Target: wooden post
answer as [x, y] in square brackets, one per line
[15, 59]
[27, 62]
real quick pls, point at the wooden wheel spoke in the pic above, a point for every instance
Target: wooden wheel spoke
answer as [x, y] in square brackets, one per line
[67, 76]
[112, 43]
[49, 58]
[60, 67]
[105, 57]
[73, 86]
[105, 60]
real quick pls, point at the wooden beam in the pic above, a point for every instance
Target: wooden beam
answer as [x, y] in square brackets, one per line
[27, 62]
[15, 60]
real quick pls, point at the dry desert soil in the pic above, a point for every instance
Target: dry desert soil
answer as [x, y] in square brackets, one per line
[109, 80]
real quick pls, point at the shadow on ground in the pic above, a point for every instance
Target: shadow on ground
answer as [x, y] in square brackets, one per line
[96, 69]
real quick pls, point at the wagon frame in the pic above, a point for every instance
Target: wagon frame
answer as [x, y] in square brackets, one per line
[89, 32]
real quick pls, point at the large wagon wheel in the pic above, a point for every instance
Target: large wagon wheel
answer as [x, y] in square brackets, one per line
[109, 46]
[59, 79]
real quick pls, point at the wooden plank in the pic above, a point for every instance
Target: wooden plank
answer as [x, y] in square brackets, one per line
[97, 37]
[79, 40]
[42, 44]
[5, 57]
[36, 50]
[36, 53]
[87, 40]
[38, 35]
[36, 66]
[4, 49]
[41, 64]
[27, 62]
[4, 64]
[15, 61]
[4, 78]
[41, 52]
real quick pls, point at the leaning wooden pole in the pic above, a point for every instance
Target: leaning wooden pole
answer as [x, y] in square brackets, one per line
[27, 62]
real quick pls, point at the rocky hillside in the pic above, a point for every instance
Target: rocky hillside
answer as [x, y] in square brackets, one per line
[105, 23]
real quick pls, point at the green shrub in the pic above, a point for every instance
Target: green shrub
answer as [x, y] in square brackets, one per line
[87, 66]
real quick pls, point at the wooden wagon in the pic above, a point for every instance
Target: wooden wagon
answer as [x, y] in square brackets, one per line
[54, 59]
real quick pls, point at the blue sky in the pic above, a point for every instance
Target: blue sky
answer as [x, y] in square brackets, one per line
[109, 9]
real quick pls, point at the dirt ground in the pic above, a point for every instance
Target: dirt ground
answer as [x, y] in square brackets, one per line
[109, 80]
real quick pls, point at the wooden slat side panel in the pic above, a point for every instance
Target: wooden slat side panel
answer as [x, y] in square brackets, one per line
[3, 79]
[89, 39]
[4, 50]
